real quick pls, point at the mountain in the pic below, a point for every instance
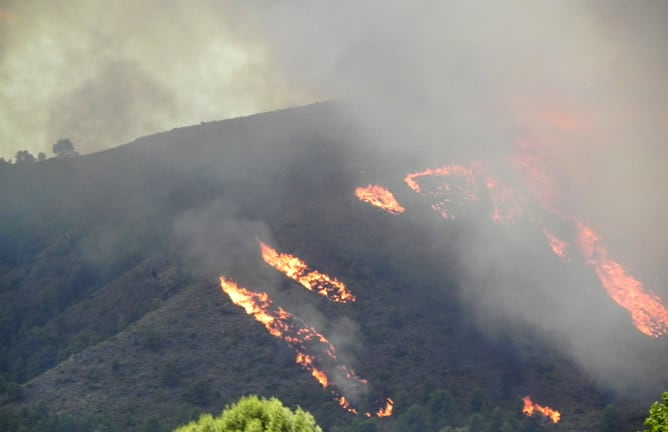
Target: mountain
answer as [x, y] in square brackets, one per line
[112, 313]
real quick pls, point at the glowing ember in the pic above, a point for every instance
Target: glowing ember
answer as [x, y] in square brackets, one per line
[303, 339]
[530, 408]
[461, 185]
[447, 171]
[557, 245]
[379, 197]
[505, 203]
[649, 315]
[312, 280]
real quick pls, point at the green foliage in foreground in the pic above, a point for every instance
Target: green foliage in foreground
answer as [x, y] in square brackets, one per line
[253, 414]
[657, 420]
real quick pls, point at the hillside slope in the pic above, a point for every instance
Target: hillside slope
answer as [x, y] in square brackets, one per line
[111, 307]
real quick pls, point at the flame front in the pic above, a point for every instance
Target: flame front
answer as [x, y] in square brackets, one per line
[303, 339]
[312, 280]
[379, 197]
[649, 315]
[530, 408]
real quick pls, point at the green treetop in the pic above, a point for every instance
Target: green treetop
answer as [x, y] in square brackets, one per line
[253, 414]
[657, 421]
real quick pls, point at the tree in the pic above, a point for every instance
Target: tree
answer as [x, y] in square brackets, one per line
[253, 414]
[414, 419]
[657, 420]
[610, 419]
[24, 156]
[64, 148]
[442, 409]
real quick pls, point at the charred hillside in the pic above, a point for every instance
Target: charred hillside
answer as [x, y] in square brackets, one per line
[111, 310]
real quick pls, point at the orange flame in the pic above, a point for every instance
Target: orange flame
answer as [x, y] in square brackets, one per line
[386, 411]
[285, 326]
[446, 171]
[379, 197]
[312, 280]
[441, 194]
[649, 315]
[530, 408]
[557, 245]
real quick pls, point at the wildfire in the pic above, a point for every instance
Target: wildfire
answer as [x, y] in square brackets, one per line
[505, 202]
[557, 245]
[312, 280]
[649, 315]
[446, 171]
[530, 408]
[303, 339]
[461, 185]
[379, 197]
[386, 411]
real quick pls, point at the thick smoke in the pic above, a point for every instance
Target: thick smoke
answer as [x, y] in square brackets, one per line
[104, 73]
[436, 82]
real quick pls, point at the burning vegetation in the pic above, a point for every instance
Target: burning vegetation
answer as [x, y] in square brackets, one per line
[314, 353]
[452, 189]
[297, 270]
[531, 408]
[649, 315]
[380, 197]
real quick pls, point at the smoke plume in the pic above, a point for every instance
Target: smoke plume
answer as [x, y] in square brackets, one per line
[581, 82]
[105, 73]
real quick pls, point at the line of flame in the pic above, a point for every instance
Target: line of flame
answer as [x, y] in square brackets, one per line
[649, 315]
[297, 270]
[446, 171]
[380, 197]
[530, 408]
[283, 325]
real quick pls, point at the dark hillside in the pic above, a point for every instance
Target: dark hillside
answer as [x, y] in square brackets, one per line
[111, 312]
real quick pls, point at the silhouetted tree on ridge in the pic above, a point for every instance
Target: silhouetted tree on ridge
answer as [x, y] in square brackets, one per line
[64, 148]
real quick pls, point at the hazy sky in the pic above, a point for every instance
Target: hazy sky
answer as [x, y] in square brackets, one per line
[103, 73]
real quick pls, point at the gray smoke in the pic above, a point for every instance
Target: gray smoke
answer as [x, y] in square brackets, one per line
[434, 82]
[104, 73]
